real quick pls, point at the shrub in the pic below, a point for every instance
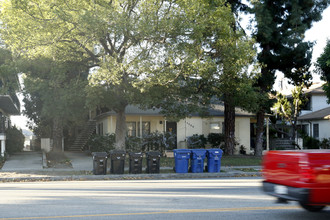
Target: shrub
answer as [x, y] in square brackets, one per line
[102, 143]
[311, 143]
[325, 143]
[14, 140]
[133, 144]
[216, 139]
[154, 141]
[196, 141]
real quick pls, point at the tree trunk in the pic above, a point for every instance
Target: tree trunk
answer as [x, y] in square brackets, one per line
[120, 129]
[260, 132]
[229, 128]
[57, 134]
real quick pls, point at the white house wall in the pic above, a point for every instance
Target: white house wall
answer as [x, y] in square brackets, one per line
[323, 129]
[186, 128]
[190, 126]
[319, 102]
[156, 122]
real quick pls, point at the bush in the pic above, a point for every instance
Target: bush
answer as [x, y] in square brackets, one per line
[14, 140]
[325, 143]
[102, 143]
[134, 144]
[154, 141]
[216, 139]
[311, 143]
[196, 141]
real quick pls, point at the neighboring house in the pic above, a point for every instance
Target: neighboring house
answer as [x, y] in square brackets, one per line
[140, 122]
[9, 105]
[315, 118]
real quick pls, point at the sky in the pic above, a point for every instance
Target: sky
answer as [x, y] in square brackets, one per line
[319, 33]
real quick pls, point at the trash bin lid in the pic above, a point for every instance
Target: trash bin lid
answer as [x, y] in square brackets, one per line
[135, 154]
[198, 151]
[184, 151]
[153, 154]
[99, 154]
[215, 151]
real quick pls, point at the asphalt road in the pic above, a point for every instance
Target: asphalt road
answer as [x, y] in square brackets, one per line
[225, 198]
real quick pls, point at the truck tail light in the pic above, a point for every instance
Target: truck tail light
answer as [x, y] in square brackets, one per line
[307, 174]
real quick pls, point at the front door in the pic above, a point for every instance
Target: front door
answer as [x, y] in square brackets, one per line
[172, 127]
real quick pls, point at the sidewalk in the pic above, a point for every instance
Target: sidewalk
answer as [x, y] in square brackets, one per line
[28, 166]
[23, 161]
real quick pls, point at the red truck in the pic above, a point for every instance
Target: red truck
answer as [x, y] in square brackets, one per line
[302, 176]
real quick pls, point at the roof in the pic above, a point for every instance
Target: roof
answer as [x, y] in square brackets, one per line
[315, 89]
[218, 110]
[317, 115]
[215, 111]
[7, 105]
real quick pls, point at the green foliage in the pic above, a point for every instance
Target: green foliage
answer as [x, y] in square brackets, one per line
[288, 108]
[54, 95]
[280, 29]
[325, 143]
[154, 141]
[310, 143]
[323, 68]
[196, 141]
[216, 139]
[9, 84]
[132, 46]
[134, 144]
[14, 140]
[102, 143]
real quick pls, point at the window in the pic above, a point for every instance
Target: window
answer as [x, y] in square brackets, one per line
[100, 128]
[214, 126]
[315, 130]
[131, 129]
[145, 128]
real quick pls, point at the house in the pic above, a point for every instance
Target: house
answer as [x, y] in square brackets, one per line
[315, 117]
[9, 105]
[140, 122]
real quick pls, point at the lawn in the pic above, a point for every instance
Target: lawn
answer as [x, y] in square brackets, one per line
[241, 160]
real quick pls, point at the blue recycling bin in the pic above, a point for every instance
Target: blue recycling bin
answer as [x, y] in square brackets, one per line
[213, 160]
[197, 160]
[181, 158]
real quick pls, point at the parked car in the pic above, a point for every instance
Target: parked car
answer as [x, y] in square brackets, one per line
[302, 176]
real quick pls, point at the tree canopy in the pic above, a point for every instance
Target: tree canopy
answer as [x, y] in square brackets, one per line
[129, 45]
[280, 29]
[323, 68]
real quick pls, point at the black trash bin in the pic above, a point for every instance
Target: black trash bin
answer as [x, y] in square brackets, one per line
[117, 158]
[99, 163]
[153, 161]
[135, 163]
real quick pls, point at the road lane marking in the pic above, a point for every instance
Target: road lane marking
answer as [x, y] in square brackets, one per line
[164, 212]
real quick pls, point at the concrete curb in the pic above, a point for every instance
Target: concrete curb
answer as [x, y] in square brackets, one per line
[130, 177]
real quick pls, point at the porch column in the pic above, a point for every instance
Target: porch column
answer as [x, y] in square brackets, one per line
[111, 128]
[141, 136]
[3, 144]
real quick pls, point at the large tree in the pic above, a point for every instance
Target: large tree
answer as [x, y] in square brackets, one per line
[130, 44]
[54, 96]
[280, 28]
[323, 68]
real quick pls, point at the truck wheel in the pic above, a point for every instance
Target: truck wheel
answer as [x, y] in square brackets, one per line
[312, 208]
